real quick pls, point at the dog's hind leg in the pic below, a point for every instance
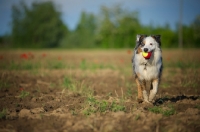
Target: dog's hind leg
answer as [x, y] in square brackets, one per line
[154, 89]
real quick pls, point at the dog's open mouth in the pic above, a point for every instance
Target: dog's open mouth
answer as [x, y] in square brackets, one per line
[146, 55]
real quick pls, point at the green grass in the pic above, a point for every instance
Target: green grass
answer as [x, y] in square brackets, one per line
[67, 82]
[183, 64]
[137, 117]
[3, 114]
[160, 110]
[197, 106]
[74, 112]
[165, 85]
[31, 65]
[93, 106]
[4, 85]
[101, 66]
[23, 65]
[129, 91]
[76, 86]
[55, 65]
[117, 107]
[23, 94]
[191, 80]
[189, 83]
[83, 64]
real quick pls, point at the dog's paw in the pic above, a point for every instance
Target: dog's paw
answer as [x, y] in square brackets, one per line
[146, 105]
[139, 100]
[152, 101]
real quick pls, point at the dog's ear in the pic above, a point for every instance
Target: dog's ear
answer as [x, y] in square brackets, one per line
[140, 37]
[157, 38]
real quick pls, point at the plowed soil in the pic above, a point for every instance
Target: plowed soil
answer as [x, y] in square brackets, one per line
[94, 90]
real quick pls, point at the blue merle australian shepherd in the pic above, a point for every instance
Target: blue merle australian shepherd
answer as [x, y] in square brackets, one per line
[147, 66]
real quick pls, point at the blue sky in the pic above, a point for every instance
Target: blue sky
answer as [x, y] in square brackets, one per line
[156, 12]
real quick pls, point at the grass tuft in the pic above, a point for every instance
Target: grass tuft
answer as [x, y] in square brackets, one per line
[23, 94]
[76, 86]
[83, 64]
[3, 114]
[164, 111]
[93, 105]
[56, 65]
[4, 84]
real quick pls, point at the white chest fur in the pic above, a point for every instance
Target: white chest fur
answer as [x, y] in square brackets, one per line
[148, 69]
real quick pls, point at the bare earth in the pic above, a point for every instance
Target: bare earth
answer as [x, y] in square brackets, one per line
[94, 90]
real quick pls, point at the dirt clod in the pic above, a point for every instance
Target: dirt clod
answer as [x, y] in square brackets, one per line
[24, 113]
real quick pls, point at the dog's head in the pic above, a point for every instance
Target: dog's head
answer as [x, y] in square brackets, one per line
[146, 43]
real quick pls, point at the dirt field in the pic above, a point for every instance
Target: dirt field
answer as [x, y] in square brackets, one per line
[94, 90]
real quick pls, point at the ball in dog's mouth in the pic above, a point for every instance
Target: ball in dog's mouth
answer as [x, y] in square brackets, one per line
[146, 55]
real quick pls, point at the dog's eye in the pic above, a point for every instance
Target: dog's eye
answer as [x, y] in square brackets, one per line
[142, 44]
[150, 43]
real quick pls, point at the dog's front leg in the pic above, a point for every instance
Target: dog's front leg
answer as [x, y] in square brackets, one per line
[154, 89]
[144, 92]
[140, 95]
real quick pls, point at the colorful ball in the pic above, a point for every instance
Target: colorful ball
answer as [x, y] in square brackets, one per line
[146, 55]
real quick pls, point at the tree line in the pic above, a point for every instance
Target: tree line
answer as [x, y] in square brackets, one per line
[40, 26]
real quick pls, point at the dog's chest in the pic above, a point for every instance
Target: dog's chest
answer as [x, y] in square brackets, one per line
[147, 69]
[147, 72]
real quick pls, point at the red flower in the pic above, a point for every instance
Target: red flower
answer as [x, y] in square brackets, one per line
[129, 52]
[168, 58]
[121, 60]
[1, 57]
[43, 55]
[21, 89]
[24, 56]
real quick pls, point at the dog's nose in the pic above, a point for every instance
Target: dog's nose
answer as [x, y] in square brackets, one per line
[145, 49]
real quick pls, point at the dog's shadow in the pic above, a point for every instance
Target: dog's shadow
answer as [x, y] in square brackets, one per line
[161, 101]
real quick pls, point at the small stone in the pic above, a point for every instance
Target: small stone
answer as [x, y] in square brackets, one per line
[58, 100]
[37, 110]
[118, 114]
[69, 123]
[12, 116]
[108, 128]
[34, 99]
[24, 113]
[9, 126]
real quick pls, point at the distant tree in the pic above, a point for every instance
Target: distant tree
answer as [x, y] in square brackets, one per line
[168, 36]
[188, 36]
[128, 27]
[106, 30]
[83, 35]
[118, 28]
[5, 41]
[37, 26]
[196, 30]
[86, 30]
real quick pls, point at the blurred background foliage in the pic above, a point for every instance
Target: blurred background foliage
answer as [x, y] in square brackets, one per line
[40, 26]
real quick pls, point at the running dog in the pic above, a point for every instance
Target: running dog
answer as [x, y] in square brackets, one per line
[147, 66]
